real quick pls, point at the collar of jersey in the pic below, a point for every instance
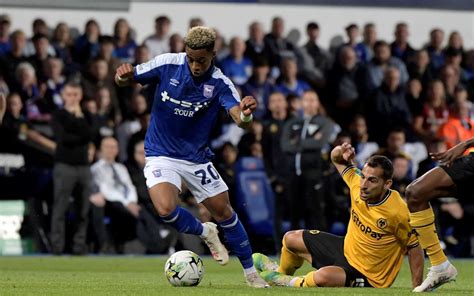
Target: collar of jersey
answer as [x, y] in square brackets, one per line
[387, 195]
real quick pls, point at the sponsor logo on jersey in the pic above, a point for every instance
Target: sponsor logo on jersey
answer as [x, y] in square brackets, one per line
[185, 104]
[174, 82]
[208, 91]
[362, 227]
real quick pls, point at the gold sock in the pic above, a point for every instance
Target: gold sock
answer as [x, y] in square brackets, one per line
[306, 281]
[309, 280]
[289, 261]
[423, 223]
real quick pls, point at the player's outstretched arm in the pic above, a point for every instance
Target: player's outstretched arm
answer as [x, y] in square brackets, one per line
[124, 75]
[416, 259]
[343, 156]
[242, 114]
[447, 157]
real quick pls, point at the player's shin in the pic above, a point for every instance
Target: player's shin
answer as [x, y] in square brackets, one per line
[238, 241]
[183, 221]
[423, 223]
[289, 261]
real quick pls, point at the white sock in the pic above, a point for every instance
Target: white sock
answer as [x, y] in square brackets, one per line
[205, 231]
[250, 270]
[441, 266]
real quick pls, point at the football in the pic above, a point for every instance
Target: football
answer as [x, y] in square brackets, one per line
[184, 269]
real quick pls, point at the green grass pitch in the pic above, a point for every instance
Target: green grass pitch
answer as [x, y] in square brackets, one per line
[144, 276]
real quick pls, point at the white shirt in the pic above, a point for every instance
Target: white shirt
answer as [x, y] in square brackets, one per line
[115, 188]
[157, 46]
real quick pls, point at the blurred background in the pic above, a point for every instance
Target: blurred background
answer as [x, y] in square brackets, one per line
[391, 78]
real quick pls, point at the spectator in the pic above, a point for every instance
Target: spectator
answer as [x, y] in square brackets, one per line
[259, 86]
[195, 22]
[455, 41]
[158, 42]
[98, 77]
[107, 112]
[420, 67]
[255, 47]
[435, 48]
[352, 32]
[41, 44]
[107, 53]
[348, 86]
[414, 96]
[450, 77]
[388, 105]
[27, 86]
[176, 43]
[278, 45]
[131, 124]
[275, 159]
[86, 46]
[303, 140]
[116, 196]
[63, 46]
[459, 126]
[396, 145]
[14, 57]
[288, 82]
[124, 42]
[55, 82]
[402, 175]
[5, 44]
[152, 233]
[400, 47]
[236, 66]
[320, 59]
[434, 113]
[381, 61]
[39, 26]
[73, 133]
[365, 49]
[360, 140]
[142, 54]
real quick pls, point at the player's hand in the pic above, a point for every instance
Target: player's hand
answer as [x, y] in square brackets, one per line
[447, 157]
[123, 74]
[248, 104]
[348, 152]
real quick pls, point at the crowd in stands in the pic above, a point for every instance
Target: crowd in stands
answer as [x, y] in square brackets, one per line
[64, 111]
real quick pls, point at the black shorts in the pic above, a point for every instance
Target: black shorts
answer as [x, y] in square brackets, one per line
[328, 250]
[461, 172]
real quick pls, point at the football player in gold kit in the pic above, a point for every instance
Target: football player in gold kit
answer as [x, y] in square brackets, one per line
[371, 253]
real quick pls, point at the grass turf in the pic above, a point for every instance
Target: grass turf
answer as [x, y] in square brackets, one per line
[95, 275]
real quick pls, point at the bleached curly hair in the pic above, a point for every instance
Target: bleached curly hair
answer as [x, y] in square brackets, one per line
[200, 38]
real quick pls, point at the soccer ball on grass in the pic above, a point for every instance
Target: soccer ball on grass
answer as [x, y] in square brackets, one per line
[184, 268]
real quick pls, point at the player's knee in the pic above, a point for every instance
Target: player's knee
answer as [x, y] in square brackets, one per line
[292, 239]
[322, 278]
[222, 213]
[165, 210]
[413, 194]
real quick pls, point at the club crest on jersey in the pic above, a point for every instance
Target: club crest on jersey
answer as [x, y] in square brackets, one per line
[157, 173]
[382, 223]
[208, 91]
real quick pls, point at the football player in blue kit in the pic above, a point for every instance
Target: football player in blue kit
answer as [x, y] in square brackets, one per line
[190, 90]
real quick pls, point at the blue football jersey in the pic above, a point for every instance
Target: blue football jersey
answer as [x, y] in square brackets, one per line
[185, 107]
